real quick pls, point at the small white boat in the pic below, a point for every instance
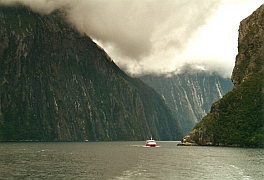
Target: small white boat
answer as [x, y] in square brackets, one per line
[151, 142]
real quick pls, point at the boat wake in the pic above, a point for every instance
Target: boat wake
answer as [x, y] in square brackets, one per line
[137, 145]
[144, 146]
[151, 147]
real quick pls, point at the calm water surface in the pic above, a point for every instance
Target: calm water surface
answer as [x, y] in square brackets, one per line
[127, 160]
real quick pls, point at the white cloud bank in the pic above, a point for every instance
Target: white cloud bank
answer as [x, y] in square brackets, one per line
[158, 36]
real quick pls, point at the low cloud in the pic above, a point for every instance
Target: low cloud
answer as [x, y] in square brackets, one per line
[157, 36]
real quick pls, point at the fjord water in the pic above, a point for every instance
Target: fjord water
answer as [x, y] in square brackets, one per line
[127, 160]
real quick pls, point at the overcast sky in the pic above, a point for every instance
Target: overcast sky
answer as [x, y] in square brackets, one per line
[158, 36]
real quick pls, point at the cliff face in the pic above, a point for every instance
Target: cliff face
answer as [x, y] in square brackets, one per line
[189, 96]
[250, 47]
[238, 118]
[59, 85]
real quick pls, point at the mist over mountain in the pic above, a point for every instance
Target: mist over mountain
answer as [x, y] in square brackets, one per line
[58, 85]
[156, 36]
[237, 119]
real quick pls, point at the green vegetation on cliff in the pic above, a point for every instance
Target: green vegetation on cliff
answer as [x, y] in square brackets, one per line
[238, 118]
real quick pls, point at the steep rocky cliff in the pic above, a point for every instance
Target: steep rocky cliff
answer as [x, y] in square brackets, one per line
[190, 95]
[238, 118]
[57, 84]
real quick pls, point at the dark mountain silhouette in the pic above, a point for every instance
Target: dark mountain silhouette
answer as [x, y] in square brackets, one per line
[57, 84]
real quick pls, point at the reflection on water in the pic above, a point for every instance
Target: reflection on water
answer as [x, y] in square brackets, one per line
[127, 160]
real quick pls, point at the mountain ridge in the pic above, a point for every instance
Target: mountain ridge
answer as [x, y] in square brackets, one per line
[189, 95]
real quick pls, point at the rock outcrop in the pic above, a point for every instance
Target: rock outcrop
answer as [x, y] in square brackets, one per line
[238, 118]
[57, 84]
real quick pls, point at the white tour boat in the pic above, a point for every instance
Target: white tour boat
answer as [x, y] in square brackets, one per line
[151, 142]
